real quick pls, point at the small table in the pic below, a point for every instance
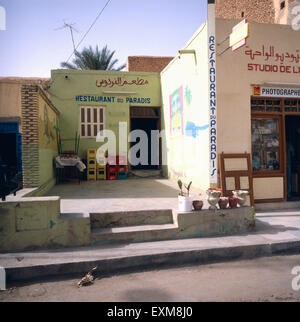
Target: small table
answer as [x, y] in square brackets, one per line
[63, 161]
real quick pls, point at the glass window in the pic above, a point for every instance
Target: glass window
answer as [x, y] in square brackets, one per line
[265, 144]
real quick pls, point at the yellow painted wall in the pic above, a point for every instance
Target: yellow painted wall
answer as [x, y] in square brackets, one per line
[87, 83]
[10, 99]
[187, 130]
[234, 82]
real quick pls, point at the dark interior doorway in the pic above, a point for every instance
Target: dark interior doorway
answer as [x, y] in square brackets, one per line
[8, 149]
[146, 119]
[292, 126]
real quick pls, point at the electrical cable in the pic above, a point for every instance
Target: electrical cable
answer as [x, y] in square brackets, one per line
[84, 36]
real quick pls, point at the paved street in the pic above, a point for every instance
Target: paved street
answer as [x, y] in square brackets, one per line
[263, 279]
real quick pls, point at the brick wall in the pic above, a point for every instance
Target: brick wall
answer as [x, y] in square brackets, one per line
[30, 135]
[147, 63]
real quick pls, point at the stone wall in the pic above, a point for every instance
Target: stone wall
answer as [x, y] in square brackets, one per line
[262, 11]
[147, 63]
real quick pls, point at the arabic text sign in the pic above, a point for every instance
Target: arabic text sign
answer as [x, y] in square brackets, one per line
[239, 33]
[120, 82]
[269, 59]
[276, 92]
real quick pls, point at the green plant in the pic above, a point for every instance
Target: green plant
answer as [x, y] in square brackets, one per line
[94, 59]
[188, 188]
[179, 182]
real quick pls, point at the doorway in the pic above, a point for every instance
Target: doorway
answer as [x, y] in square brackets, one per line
[147, 120]
[292, 126]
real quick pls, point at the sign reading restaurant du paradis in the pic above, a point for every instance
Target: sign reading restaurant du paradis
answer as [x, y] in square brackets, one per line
[115, 83]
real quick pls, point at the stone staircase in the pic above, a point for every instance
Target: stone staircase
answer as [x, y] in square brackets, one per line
[132, 226]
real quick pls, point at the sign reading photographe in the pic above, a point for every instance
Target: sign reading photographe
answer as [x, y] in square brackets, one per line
[276, 92]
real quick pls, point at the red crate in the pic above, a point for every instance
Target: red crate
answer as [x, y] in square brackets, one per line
[112, 160]
[112, 172]
[121, 160]
[112, 168]
[112, 176]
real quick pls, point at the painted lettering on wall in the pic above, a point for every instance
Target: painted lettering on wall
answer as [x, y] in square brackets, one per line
[119, 81]
[211, 23]
[112, 99]
[176, 113]
[273, 61]
[213, 109]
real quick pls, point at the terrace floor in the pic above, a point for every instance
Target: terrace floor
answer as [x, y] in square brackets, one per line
[122, 195]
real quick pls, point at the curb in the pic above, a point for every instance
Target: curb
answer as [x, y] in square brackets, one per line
[108, 267]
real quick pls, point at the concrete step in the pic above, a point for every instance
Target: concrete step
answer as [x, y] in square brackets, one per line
[131, 218]
[141, 233]
[277, 205]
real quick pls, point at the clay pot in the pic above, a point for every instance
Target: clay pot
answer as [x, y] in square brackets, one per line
[233, 202]
[223, 202]
[241, 195]
[197, 204]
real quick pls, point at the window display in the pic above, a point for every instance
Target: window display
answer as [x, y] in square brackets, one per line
[265, 144]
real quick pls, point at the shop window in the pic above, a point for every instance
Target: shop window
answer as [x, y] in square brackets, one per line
[91, 121]
[266, 154]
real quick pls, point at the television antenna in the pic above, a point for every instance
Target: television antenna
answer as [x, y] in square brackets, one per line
[71, 27]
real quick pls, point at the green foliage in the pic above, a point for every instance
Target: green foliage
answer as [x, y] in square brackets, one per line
[179, 182]
[188, 188]
[90, 59]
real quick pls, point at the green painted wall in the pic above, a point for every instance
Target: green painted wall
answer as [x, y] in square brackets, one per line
[47, 142]
[86, 85]
[186, 112]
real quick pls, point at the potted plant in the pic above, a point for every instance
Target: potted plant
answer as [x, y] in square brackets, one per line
[185, 203]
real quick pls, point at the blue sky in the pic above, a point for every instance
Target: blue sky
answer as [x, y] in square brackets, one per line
[31, 45]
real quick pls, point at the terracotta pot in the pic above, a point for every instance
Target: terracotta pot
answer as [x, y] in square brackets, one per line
[233, 202]
[197, 204]
[223, 202]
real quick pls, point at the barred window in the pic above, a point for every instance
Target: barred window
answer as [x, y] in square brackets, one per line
[91, 121]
